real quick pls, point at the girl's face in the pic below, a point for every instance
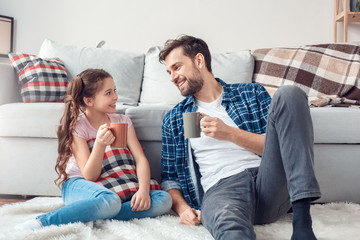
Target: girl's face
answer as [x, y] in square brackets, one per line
[106, 97]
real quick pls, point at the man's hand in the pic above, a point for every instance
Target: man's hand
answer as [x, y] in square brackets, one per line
[190, 217]
[215, 127]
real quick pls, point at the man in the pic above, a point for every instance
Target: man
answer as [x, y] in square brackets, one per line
[235, 175]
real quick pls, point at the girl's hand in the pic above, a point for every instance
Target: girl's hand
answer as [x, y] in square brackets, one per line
[140, 201]
[104, 135]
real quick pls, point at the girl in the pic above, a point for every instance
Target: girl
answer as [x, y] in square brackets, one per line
[89, 109]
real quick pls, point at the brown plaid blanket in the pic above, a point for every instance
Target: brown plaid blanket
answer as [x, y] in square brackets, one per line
[328, 73]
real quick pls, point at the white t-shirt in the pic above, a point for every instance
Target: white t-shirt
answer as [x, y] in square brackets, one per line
[218, 159]
[85, 130]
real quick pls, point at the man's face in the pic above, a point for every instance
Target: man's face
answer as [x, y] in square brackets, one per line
[184, 73]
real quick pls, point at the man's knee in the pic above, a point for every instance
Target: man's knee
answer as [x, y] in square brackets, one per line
[290, 96]
[228, 222]
[289, 92]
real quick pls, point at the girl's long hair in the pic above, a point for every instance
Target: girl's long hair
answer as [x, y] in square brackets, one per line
[83, 85]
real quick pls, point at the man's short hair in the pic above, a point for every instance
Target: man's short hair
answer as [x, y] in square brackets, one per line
[190, 45]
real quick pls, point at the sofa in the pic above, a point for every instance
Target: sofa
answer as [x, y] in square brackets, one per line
[28, 141]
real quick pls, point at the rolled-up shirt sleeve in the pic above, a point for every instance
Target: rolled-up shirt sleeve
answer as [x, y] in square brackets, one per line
[168, 158]
[168, 185]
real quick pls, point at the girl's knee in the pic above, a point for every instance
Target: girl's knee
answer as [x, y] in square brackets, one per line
[162, 202]
[110, 205]
[166, 199]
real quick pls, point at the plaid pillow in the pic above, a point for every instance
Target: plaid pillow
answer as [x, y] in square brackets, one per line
[41, 80]
[118, 173]
[323, 71]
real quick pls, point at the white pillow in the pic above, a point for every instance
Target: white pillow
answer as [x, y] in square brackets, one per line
[157, 87]
[126, 68]
[234, 67]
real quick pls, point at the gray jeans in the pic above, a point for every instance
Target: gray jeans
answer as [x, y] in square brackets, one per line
[261, 195]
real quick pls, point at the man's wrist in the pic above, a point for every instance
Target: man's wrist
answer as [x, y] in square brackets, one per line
[179, 203]
[233, 135]
[182, 209]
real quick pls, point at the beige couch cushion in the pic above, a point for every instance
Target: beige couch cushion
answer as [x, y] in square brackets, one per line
[38, 120]
[126, 68]
[336, 125]
[147, 120]
[30, 119]
[157, 88]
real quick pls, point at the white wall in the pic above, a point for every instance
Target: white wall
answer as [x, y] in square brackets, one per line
[135, 25]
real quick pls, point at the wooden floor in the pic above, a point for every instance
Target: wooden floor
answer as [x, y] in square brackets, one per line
[7, 199]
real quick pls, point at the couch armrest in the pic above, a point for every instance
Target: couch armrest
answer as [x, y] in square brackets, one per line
[9, 90]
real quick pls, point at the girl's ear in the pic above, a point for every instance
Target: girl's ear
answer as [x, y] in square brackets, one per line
[88, 101]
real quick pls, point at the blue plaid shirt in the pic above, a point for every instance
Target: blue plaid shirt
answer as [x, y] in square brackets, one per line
[247, 105]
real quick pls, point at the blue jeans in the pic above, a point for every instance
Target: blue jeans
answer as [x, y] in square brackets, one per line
[87, 201]
[286, 174]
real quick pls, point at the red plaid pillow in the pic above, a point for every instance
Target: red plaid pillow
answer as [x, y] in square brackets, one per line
[41, 80]
[118, 173]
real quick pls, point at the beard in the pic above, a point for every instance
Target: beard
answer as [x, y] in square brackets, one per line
[194, 83]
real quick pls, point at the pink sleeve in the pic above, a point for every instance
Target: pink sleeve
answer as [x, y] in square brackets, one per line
[120, 118]
[127, 120]
[80, 130]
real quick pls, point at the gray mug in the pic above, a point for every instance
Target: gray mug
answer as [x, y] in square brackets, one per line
[192, 124]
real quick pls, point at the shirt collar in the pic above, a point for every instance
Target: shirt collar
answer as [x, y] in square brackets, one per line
[228, 96]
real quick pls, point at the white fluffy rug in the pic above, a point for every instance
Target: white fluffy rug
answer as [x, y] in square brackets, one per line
[330, 222]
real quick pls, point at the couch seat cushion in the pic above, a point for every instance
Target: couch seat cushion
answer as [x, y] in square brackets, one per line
[331, 125]
[34, 119]
[147, 120]
[336, 125]
[30, 119]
